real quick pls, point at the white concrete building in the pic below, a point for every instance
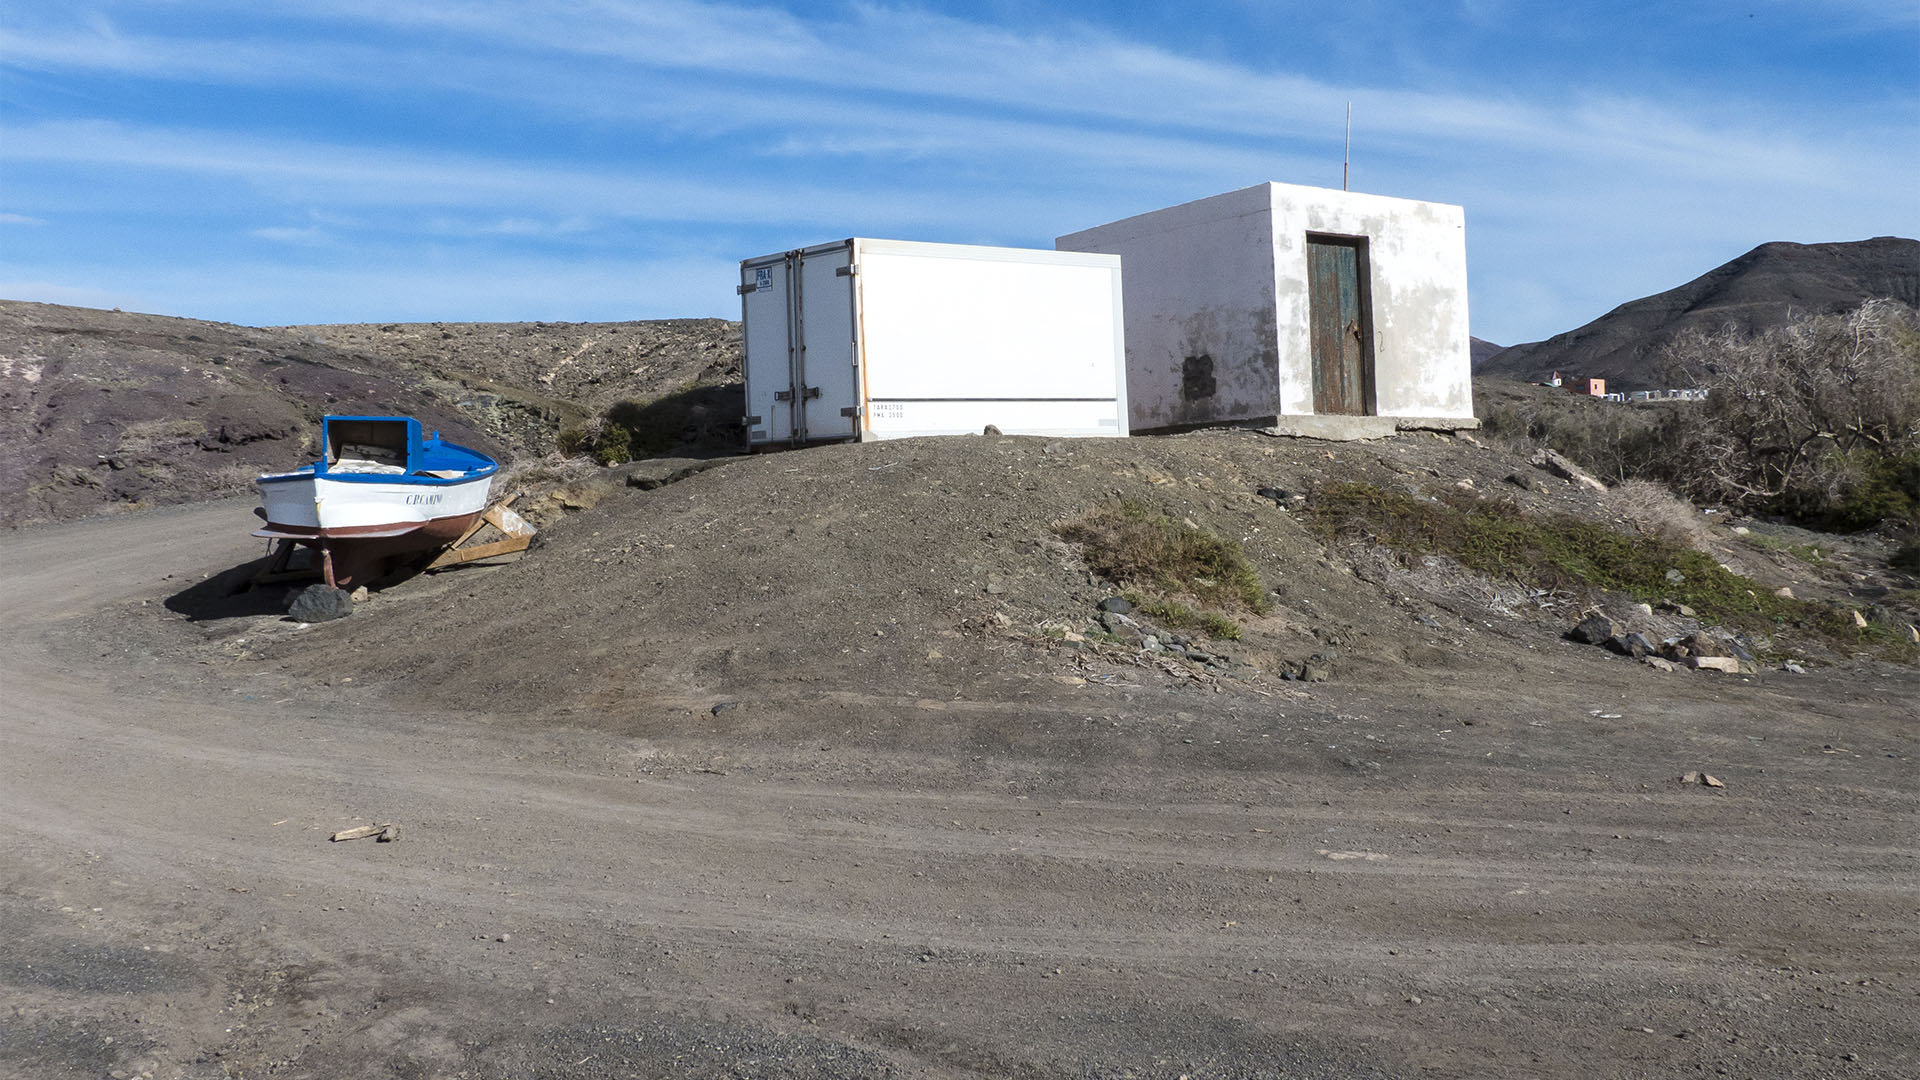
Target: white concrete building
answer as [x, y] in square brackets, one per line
[1290, 302]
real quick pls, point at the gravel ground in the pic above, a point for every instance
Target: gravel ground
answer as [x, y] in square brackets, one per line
[753, 775]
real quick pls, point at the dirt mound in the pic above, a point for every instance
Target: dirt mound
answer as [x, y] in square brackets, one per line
[936, 567]
[106, 410]
[1763, 288]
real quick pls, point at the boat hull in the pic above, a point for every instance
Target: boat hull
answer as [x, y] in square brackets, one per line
[361, 526]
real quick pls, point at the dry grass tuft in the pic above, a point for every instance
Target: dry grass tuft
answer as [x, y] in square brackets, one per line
[1655, 511]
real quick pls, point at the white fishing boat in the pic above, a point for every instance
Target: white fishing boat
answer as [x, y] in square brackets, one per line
[382, 488]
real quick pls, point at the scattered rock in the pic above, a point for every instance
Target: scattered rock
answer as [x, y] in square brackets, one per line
[1859, 621]
[1315, 671]
[1522, 480]
[1681, 610]
[1558, 464]
[1711, 780]
[361, 832]
[360, 595]
[990, 429]
[1634, 645]
[1116, 604]
[1592, 630]
[1703, 645]
[1784, 592]
[1714, 663]
[1740, 652]
[995, 586]
[1657, 663]
[1793, 668]
[1282, 498]
[320, 603]
[724, 706]
[1644, 609]
[1675, 577]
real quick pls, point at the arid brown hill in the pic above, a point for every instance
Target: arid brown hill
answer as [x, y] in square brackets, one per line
[1763, 288]
[107, 410]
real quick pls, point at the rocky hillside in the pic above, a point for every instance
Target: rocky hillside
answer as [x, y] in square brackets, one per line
[1761, 289]
[108, 410]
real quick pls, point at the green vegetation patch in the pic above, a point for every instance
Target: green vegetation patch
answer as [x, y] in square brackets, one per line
[1164, 562]
[1558, 551]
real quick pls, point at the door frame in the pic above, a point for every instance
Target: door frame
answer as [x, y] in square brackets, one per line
[1363, 296]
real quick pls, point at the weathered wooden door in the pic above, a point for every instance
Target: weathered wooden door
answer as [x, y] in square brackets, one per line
[1340, 330]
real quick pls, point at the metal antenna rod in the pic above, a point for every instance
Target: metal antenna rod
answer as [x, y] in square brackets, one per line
[1346, 155]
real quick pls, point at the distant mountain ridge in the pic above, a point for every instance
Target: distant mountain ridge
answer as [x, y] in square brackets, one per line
[1764, 288]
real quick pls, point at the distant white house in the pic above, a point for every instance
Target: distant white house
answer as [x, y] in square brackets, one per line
[1282, 301]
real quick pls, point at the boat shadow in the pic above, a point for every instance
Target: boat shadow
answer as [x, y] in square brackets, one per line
[231, 594]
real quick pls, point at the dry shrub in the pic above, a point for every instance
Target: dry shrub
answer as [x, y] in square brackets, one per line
[540, 473]
[1137, 547]
[1653, 510]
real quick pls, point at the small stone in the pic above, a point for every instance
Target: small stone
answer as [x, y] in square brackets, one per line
[1119, 605]
[1859, 621]
[1741, 530]
[1312, 671]
[504, 938]
[1644, 609]
[1690, 778]
[1793, 668]
[995, 586]
[1714, 663]
[990, 429]
[1657, 663]
[1784, 592]
[1711, 780]
[724, 706]
[359, 595]
[1522, 480]
[1592, 630]
[1740, 652]
[1675, 577]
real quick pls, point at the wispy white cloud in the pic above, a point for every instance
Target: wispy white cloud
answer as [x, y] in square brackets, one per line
[303, 236]
[19, 219]
[744, 128]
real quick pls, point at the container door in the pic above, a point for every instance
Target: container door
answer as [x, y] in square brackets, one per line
[1340, 325]
[766, 315]
[828, 386]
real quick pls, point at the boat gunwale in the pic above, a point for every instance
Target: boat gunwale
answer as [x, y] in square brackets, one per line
[411, 479]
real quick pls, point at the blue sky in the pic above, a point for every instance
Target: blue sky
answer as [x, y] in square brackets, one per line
[375, 160]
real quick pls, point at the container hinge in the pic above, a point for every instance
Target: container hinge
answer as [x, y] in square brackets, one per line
[749, 421]
[742, 290]
[783, 395]
[811, 392]
[845, 271]
[850, 410]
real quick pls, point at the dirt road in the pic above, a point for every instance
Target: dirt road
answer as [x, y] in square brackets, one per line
[1456, 875]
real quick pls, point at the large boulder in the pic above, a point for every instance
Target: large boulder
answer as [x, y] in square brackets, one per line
[320, 603]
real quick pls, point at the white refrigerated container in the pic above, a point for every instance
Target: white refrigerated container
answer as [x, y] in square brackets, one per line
[885, 339]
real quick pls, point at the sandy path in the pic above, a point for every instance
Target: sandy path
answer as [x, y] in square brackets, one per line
[1525, 897]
